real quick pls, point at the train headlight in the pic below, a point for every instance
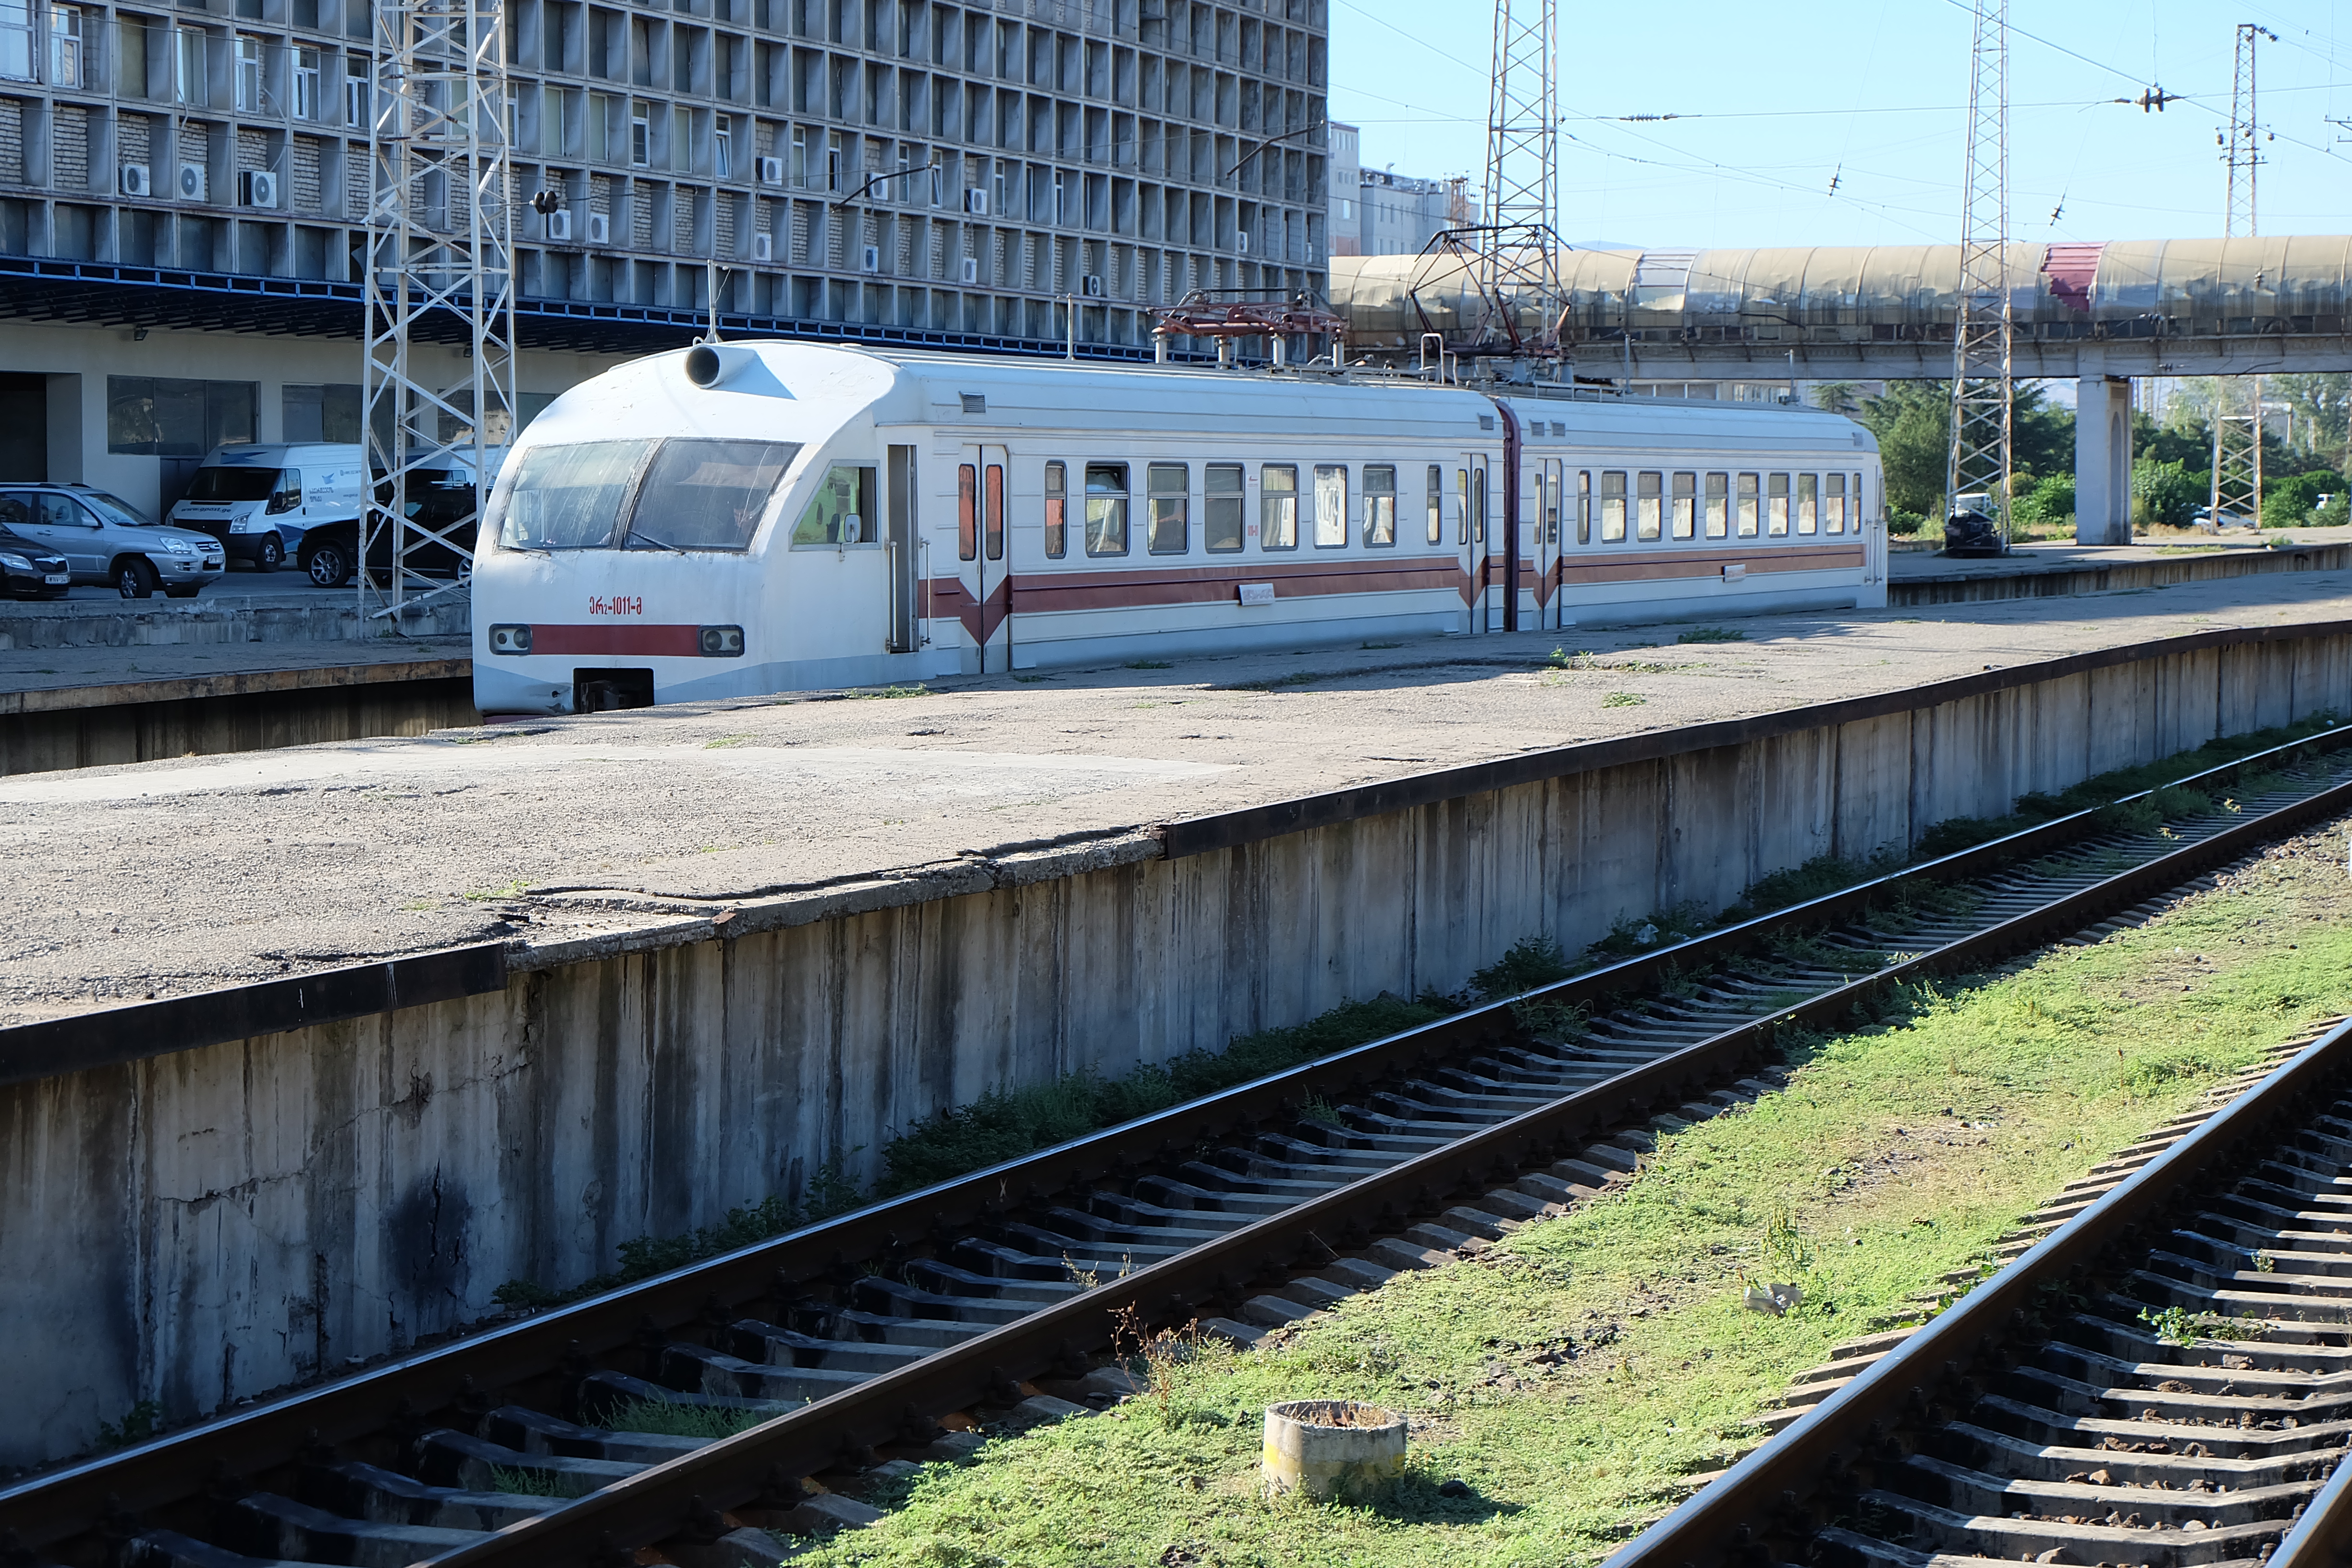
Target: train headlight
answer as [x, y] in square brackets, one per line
[722, 642]
[510, 639]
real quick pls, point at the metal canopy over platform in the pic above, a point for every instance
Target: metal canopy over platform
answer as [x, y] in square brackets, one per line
[102, 294]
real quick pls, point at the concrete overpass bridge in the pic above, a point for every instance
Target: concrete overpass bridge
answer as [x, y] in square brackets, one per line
[2099, 313]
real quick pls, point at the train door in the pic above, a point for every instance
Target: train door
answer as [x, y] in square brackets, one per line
[1548, 473]
[983, 565]
[902, 544]
[1470, 540]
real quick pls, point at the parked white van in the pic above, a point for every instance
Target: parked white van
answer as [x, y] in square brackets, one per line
[261, 501]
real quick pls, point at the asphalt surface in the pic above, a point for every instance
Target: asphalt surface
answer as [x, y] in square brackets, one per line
[162, 877]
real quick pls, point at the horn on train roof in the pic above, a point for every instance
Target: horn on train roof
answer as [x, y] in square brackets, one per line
[710, 364]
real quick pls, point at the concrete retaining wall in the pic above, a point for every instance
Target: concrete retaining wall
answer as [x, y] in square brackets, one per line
[197, 1224]
[246, 711]
[333, 616]
[1960, 588]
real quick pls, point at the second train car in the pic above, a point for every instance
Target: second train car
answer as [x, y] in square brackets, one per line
[747, 517]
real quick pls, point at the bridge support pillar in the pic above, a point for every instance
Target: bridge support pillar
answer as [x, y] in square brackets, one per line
[2102, 454]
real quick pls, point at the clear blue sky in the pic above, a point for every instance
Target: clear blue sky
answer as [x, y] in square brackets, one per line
[1777, 100]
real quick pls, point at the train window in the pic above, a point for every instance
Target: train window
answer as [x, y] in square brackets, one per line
[1331, 505]
[1833, 503]
[1167, 527]
[711, 495]
[1584, 506]
[1478, 506]
[569, 497]
[1277, 507]
[1551, 501]
[1776, 504]
[1807, 503]
[1106, 508]
[1058, 519]
[1380, 504]
[1221, 507]
[1719, 505]
[1462, 506]
[1748, 505]
[1853, 506]
[1437, 504]
[841, 512]
[992, 511]
[1612, 508]
[1647, 506]
[966, 513]
[1681, 520]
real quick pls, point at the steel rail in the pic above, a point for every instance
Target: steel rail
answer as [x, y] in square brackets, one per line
[85, 1496]
[1727, 1522]
[661, 1500]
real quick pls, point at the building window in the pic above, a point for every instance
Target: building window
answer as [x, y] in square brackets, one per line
[17, 40]
[152, 416]
[188, 65]
[65, 47]
[1061, 198]
[330, 412]
[833, 164]
[799, 170]
[355, 92]
[641, 134]
[722, 151]
[249, 74]
[306, 84]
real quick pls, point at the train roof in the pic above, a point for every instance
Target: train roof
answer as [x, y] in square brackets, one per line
[912, 388]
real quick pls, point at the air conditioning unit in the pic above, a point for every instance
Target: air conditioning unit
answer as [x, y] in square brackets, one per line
[1241, 240]
[975, 201]
[600, 228]
[558, 227]
[1091, 286]
[763, 247]
[195, 183]
[256, 188]
[135, 180]
[969, 271]
[771, 171]
[870, 261]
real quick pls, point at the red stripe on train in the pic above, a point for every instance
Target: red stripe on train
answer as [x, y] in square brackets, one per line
[625, 641]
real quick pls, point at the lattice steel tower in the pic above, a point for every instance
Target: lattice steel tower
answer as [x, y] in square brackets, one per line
[2238, 404]
[1980, 460]
[1519, 263]
[440, 270]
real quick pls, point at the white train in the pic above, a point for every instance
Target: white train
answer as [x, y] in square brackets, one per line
[766, 517]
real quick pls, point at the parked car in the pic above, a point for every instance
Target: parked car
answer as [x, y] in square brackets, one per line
[263, 501]
[437, 498]
[30, 571]
[104, 541]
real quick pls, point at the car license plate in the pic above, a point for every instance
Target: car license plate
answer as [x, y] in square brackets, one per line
[55, 577]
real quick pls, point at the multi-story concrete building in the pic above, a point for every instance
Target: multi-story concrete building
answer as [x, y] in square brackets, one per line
[1400, 214]
[182, 190]
[1340, 159]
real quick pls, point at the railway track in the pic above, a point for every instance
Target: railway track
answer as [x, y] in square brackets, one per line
[2161, 1380]
[855, 1344]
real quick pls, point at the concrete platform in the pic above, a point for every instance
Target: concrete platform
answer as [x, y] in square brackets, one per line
[242, 607]
[568, 837]
[83, 706]
[1919, 577]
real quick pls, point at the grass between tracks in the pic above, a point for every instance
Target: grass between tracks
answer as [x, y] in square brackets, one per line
[1574, 1375]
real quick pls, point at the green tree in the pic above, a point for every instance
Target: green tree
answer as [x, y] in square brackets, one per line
[2165, 494]
[1913, 421]
[1838, 398]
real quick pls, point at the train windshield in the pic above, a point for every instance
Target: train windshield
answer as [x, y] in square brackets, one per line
[680, 494]
[572, 497]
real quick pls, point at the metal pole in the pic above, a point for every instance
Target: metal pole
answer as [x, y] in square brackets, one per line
[1980, 451]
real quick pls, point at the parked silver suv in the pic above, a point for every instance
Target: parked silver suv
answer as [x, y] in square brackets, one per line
[103, 540]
